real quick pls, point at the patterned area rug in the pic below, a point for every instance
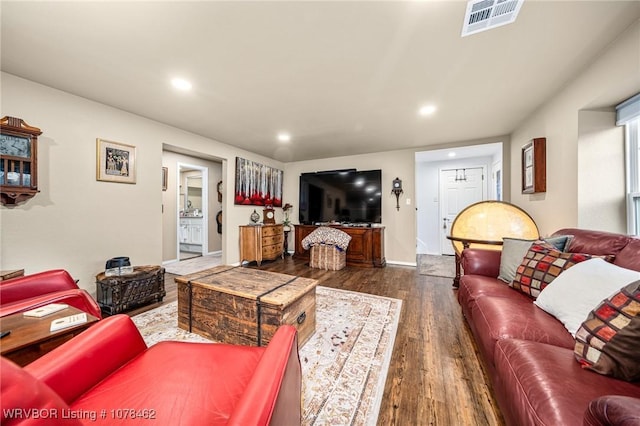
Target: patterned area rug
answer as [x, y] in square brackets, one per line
[344, 364]
[438, 266]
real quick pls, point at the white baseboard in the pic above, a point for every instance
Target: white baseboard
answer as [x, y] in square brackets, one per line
[397, 262]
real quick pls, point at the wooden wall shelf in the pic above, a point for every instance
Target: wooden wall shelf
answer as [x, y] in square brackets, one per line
[18, 160]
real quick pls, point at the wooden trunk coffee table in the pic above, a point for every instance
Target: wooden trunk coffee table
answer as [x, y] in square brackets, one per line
[245, 306]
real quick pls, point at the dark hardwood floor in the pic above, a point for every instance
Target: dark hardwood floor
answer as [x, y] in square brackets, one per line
[435, 376]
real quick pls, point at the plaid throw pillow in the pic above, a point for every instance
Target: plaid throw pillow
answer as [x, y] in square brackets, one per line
[541, 265]
[608, 342]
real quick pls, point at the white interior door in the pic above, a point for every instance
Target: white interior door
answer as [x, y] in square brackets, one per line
[458, 189]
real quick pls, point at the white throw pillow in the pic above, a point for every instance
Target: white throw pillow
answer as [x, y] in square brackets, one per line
[579, 289]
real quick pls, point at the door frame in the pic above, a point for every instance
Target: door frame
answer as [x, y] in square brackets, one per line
[485, 193]
[205, 205]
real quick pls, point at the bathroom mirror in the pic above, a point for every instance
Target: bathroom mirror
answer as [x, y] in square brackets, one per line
[193, 195]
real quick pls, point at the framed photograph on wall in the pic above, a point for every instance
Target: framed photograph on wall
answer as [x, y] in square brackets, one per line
[534, 166]
[116, 162]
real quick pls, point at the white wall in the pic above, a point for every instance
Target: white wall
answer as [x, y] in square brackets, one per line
[611, 78]
[76, 222]
[399, 225]
[601, 187]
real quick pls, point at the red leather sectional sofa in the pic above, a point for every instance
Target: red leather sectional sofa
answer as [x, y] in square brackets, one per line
[529, 354]
[35, 290]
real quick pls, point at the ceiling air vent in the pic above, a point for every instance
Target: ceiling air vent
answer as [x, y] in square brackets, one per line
[483, 15]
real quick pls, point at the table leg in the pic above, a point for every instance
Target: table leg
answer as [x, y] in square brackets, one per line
[456, 280]
[286, 244]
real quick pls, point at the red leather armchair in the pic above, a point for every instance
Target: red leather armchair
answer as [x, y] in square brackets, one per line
[54, 286]
[108, 375]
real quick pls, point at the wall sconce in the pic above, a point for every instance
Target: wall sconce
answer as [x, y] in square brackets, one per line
[397, 190]
[461, 177]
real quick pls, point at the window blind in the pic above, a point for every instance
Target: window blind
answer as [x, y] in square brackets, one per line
[628, 110]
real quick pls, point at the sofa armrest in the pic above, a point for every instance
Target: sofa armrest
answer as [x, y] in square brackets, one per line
[477, 261]
[77, 298]
[273, 396]
[20, 288]
[77, 365]
[613, 410]
[22, 394]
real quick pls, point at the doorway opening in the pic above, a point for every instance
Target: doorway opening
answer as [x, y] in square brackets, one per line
[447, 181]
[459, 188]
[192, 211]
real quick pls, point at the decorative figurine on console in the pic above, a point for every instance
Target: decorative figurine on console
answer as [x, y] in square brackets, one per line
[255, 217]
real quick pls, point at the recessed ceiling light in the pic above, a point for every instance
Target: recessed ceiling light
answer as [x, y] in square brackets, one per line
[427, 110]
[451, 154]
[181, 84]
[284, 137]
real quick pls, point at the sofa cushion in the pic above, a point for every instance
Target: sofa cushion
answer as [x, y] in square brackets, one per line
[594, 242]
[542, 384]
[480, 261]
[608, 342]
[572, 295]
[162, 369]
[475, 286]
[514, 250]
[629, 256]
[541, 265]
[498, 318]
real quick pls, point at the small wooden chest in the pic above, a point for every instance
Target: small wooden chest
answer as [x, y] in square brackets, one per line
[119, 293]
[245, 306]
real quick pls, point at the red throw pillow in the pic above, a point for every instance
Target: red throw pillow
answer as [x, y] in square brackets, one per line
[608, 342]
[541, 265]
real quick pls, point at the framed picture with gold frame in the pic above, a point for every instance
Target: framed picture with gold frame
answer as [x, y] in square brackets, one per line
[116, 162]
[534, 166]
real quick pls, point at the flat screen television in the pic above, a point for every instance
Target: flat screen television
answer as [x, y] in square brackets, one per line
[344, 196]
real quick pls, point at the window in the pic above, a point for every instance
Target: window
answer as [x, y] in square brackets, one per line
[628, 114]
[632, 138]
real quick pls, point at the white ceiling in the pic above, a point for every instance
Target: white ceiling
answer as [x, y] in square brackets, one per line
[341, 77]
[460, 153]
